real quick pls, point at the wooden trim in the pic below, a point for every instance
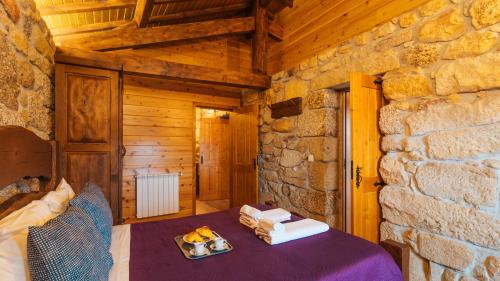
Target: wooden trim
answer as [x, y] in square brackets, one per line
[127, 38]
[146, 66]
[400, 253]
[276, 30]
[79, 7]
[143, 10]
[18, 201]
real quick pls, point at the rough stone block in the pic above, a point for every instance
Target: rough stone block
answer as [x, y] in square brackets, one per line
[485, 13]
[406, 83]
[470, 45]
[441, 116]
[323, 176]
[465, 143]
[290, 158]
[446, 27]
[391, 120]
[407, 19]
[12, 10]
[296, 88]
[25, 73]
[421, 54]
[458, 182]
[395, 39]
[432, 7]
[393, 171]
[284, 125]
[325, 98]
[323, 148]
[318, 122]
[404, 207]
[444, 251]
[457, 77]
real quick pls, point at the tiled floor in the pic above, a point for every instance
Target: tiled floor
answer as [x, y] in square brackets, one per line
[205, 207]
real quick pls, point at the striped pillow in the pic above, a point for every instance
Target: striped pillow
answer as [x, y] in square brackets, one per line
[93, 202]
[68, 247]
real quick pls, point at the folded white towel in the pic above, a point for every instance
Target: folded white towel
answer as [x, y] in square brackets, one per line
[269, 225]
[251, 216]
[293, 230]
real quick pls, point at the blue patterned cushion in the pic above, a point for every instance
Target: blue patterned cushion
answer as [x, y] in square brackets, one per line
[68, 247]
[93, 202]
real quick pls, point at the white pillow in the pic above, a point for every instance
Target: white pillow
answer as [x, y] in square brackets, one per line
[13, 239]
[58, 200]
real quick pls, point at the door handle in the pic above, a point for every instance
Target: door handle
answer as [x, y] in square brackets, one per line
[201, 159]
[123, 151]
[359, 177]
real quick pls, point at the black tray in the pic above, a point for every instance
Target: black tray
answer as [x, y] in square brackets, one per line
[186, 247]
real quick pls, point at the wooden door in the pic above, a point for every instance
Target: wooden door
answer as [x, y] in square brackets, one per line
[244, 122]
[87, 129]
[365, 100]
[215, 158]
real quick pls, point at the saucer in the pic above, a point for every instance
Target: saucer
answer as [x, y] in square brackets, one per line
[193, 253]
[212, 247]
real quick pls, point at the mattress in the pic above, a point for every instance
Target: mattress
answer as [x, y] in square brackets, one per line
[120, 250]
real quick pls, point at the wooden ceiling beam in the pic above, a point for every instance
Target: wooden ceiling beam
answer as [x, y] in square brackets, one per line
[200, 12]
[143, 11]
[79, 7]
[151, 67]
[276, 30]
[259, 41]
[63, 31]
[128, 38]
[276, 6]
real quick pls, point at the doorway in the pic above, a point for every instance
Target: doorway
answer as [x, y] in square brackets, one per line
[213, 160]
[361, 154]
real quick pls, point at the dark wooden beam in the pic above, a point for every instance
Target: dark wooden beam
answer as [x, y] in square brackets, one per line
[276, 30]
[259, 42]
[143, 10]
[80, 7]
[127, 38]
[199, 12]
[276, 6]
[151, 67]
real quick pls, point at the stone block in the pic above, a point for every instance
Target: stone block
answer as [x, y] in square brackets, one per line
[441, 116]
[271, 176]
[318, 122]
[384, 29]
[393, 171]
[458, 182]
[395, 39]
[323, 148]
[391, 143]
[325, 98]
[290, 158]
[406, 83]
[407, 19]
[331, 78]
[25, 73]
[367, 61]
[12, 10]
[296, 88]
[19, 40]
[391, 120]
[446, 27]
[432, 7]
[323, 176]
[284, 125]
[457, 77]
[445, 251]
[267, 138]
[421, 54]
[470, 45]
[464, 143]
[40, 42]
[9, 88]
[492, 265]
[484, 13]
[403, 207]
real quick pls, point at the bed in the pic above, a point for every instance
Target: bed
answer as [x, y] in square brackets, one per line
[147, 251]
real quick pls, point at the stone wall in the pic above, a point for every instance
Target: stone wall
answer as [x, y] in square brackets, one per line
[26, 68]
[26, 75]
[441, 76]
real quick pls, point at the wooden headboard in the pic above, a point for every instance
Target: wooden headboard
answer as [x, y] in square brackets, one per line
[24, 155]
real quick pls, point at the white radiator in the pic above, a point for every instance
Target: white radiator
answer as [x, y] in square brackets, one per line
[157, 195]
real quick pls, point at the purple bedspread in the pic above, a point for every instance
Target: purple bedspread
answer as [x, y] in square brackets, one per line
[332, 255]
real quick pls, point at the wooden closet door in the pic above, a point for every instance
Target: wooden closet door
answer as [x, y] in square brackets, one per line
[244, 127]
[88, 129]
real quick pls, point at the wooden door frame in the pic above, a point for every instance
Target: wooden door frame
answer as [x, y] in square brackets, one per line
[215, 106]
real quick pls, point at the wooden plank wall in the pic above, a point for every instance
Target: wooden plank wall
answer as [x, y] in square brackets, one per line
[313, 26]
[158, 134]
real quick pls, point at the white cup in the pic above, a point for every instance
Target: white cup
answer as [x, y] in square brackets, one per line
[219, 243]
[199, 248]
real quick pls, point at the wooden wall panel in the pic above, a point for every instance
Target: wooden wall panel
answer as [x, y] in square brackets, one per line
[158, 134]
[313, 26]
